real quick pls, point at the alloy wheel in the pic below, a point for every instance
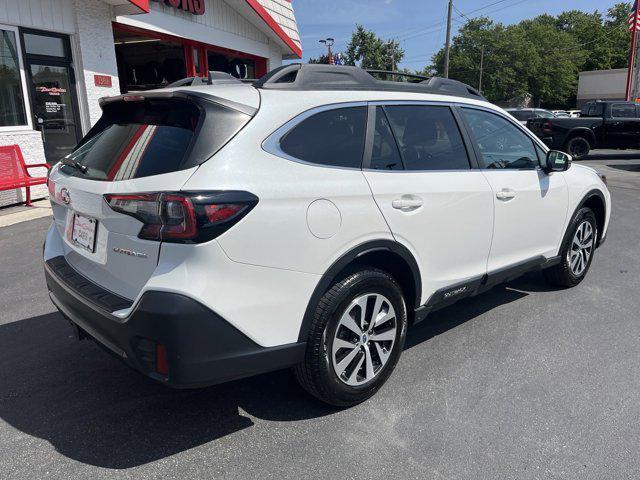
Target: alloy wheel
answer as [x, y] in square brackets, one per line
[579, 148]
[364, 339]
[581, 248]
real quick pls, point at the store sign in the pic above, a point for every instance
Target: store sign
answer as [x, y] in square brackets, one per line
[102, 81]
[53, 91]
[193, 6]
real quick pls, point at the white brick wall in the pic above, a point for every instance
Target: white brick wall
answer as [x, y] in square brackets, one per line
[33, 152]
[97, 55]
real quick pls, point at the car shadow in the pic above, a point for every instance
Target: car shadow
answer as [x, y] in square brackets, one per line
[95, 410]
[618, 155]
[441, 321]
[627, 168]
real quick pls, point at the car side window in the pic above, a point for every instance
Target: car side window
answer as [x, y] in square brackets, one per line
[331, 138]
[521, 115]
[544, 114]
[385, 154]
[501, 143]
[428, 137]
[623, 110]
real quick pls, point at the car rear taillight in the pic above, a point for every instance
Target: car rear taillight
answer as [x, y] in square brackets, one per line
[547, 127]
[187, 217]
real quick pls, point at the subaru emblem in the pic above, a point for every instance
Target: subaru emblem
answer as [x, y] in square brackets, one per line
[65, 197]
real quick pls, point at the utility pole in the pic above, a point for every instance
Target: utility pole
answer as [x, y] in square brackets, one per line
[481, 68]
[447, 48]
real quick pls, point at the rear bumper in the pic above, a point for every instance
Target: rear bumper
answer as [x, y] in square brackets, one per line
[201, 347]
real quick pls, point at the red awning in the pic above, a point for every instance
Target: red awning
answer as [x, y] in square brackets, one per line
[129, 7]
[141, 4]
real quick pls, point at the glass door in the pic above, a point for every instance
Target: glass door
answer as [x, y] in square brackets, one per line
[52, 89]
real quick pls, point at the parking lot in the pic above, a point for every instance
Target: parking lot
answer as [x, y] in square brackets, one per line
[521, 382]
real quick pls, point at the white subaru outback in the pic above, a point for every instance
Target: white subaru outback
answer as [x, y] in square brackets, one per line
[203, 234]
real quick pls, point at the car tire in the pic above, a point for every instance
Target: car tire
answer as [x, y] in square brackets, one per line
[578, 147]
[576, 252]
[327, 372]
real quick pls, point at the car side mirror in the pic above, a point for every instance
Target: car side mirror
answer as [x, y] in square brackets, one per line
[557, 161]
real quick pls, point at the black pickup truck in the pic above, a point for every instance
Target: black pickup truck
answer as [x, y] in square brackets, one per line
[601, 124]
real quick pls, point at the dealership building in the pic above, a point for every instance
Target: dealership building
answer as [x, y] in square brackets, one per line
[59, 57]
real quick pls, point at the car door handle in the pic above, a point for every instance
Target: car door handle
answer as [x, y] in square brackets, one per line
[505, 194]
[407, 203]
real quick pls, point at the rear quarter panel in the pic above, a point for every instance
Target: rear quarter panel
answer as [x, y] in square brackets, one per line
[277, 233]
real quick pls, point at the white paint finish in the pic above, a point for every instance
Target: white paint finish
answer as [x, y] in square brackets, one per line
[323, 218]
[118, 273]
[51, 15]
[243, 94]
[266, 304]
[532, 222]
[275, 232]
[450, 233]
[260, 274]
[581, 180]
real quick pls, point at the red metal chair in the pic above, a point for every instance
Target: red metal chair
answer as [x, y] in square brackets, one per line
[14, 172]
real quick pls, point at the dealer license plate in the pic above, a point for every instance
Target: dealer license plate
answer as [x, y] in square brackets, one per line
[84, 232]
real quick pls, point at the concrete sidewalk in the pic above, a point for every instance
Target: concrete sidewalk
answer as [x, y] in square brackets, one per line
[22, 213]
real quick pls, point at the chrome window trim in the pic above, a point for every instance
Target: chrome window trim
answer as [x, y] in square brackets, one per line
[272, 143]
[437, 103]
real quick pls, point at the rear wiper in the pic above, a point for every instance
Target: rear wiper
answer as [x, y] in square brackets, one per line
[74, 164]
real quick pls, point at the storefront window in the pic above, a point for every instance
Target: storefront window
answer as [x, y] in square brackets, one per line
[38, 44]
[12, 111]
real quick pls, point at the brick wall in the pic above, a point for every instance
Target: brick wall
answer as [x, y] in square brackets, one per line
[97, 53]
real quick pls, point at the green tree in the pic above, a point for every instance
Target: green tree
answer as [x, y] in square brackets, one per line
[541, 56]
[324, 58]
[372, 52]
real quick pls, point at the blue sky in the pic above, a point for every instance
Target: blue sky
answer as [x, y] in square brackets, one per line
[419, 24]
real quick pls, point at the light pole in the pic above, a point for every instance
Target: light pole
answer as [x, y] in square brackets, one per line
[329, 43]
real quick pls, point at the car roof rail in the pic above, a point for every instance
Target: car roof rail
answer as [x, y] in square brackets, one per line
[299, 76]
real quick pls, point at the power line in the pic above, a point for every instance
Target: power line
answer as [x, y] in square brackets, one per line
[430, 28]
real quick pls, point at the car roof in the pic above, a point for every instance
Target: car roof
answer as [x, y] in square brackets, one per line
[248, 95]
[320, 77]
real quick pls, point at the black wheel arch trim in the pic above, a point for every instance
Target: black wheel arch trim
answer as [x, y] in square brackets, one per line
[590, 194]
[349, 258]
[580, 132]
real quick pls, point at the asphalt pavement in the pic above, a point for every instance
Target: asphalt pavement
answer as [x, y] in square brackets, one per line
[522, 382]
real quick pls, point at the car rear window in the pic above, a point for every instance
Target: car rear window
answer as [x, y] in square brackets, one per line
[331, 138]
[521, 115]
[150, 137]
[623, 110]
[591, 110]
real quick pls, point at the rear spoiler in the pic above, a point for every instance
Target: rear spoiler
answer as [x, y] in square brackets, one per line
[183, 94]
